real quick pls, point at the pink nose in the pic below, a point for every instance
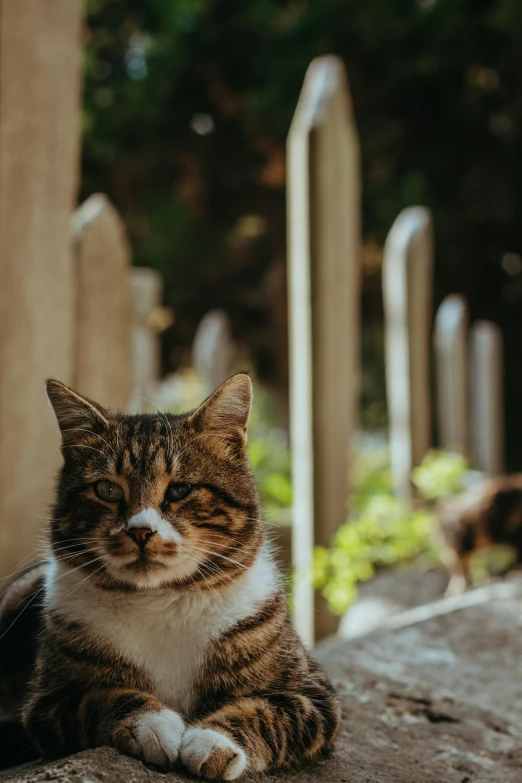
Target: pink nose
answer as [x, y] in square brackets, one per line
[140, 535]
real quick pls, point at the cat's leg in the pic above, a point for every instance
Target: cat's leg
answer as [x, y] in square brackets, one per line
[132, 721]
[458, 567]
[277, 731]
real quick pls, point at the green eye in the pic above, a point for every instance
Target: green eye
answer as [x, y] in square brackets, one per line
[108, 491]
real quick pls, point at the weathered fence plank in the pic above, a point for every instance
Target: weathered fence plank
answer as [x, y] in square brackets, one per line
[40, 80]
[103, 308]
[324, 303]
[486, 383]
[407, 285]
[146, 291]
[213, 350]
[451, 351]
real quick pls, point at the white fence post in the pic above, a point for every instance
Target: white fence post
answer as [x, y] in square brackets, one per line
[486, 370]
[146, 291]
[40, 86]
[407, 288]
[324, 304]
[451, 351]
[103, 308]
[213, 350]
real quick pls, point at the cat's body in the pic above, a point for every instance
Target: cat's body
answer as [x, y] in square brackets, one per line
[167, 635]
[165, 626]
[21, 621]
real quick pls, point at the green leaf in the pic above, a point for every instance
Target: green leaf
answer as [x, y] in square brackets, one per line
[440, 473]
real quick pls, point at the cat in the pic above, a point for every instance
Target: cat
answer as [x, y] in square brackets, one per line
[487, 514]
[164, 628]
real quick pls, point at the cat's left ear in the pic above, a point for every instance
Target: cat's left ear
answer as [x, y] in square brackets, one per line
[74, 413]
[227, 410]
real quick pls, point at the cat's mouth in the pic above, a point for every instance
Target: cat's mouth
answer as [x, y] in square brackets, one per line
[143, 563]
[150, 569]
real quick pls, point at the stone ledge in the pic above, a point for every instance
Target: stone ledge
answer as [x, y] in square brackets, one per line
[435, 699]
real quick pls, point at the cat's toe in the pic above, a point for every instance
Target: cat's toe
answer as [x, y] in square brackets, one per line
[211, 755]
[156, 737]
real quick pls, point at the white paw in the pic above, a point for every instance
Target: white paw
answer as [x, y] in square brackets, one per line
[156, 737]
[209, 754]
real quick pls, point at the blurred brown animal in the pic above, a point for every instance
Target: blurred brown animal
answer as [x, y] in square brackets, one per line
[486, 515]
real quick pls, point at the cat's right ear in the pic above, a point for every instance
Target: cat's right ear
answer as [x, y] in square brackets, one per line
[75, 414]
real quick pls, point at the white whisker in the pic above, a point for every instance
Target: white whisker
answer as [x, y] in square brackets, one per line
[216, 554]
[84, 429]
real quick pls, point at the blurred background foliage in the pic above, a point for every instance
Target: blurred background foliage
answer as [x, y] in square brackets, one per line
[187, 107]
[383, 531]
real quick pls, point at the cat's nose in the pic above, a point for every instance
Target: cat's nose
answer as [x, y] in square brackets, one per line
[142, 526]
[140, 535]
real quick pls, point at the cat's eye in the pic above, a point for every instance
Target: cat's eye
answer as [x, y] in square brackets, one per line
[177, 492]
[108, 491]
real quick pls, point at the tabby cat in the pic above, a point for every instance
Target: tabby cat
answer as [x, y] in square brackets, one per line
[164, 625]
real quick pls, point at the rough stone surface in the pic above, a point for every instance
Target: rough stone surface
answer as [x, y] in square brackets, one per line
[389, 593]
[435, 696]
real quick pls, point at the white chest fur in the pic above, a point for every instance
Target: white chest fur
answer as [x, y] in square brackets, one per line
[165, 633]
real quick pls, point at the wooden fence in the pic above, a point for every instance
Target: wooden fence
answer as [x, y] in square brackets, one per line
[469, 384]
[468, 363]
[324, 294]
[65, 299]
[113, 356]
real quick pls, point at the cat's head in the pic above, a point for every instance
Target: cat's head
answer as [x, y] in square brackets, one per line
[155, 499]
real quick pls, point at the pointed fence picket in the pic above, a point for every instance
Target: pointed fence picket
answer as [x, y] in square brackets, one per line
[40, 84]
[102, 351]
[407, 293]
[324, 303]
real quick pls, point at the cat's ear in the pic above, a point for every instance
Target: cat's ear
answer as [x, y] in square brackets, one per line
[227, 410]
[75, 414]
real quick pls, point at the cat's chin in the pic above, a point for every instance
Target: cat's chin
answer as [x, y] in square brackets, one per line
[150, 573]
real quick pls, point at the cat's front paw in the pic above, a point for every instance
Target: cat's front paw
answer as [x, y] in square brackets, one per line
[155, 737]
[211, 755]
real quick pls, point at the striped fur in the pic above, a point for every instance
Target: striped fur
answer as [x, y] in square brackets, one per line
[176, 645]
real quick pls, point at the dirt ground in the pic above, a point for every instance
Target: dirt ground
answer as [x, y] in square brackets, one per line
[435, 697]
